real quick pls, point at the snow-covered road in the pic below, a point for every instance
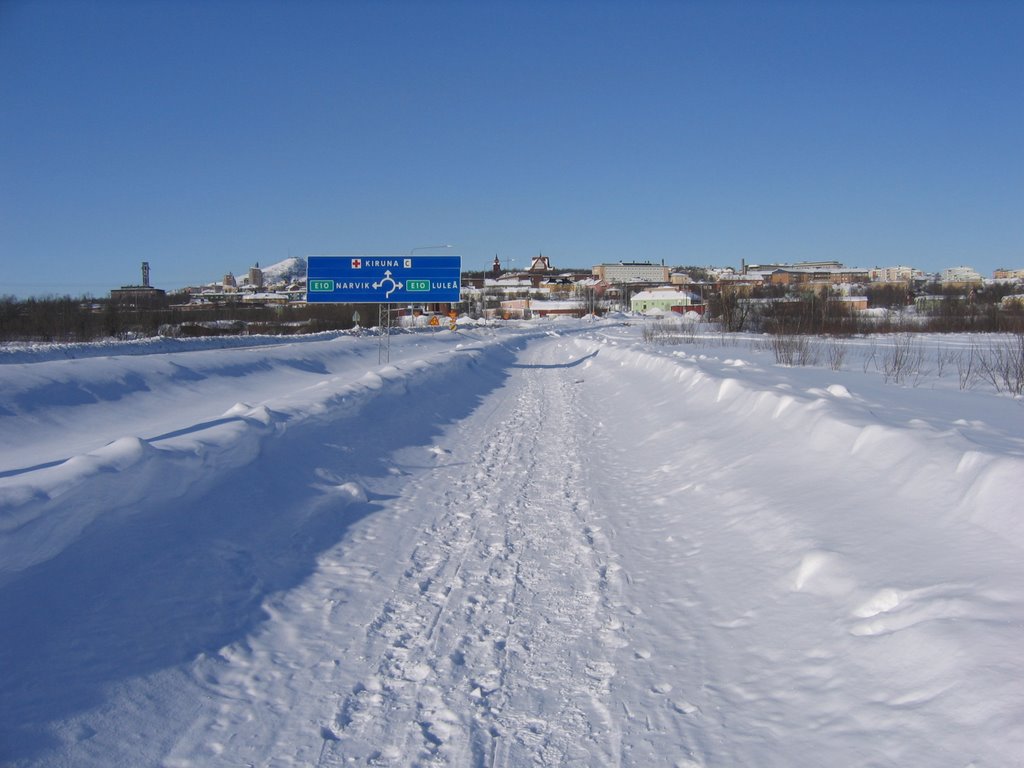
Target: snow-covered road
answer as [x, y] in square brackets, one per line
[493, 646]
[530, 548]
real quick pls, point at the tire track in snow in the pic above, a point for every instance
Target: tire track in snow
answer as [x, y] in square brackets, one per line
[495, 647]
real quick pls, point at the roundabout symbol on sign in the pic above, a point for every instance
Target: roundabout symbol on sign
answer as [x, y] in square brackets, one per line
[388, 279]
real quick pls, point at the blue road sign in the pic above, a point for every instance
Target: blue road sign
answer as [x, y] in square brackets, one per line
[383, 279]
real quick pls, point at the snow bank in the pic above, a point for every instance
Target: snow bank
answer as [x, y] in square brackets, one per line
[919, 445]
[23, 352]
[37, 520]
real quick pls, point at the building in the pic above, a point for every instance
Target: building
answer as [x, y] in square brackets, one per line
[143, 295]
[816, 275]
[515, 309]
[680, 278]
[1008, 274]
[666, 299]
[256, 277]
[632, 272]
[741, 283]
[894, 274]
[558, 284]
[812, 265]
[960, 276]
[552, 308]
[540, 264]
[510, 283]
[851, 303]
[266, 298]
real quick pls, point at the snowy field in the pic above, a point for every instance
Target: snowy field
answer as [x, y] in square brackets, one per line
[553, 543]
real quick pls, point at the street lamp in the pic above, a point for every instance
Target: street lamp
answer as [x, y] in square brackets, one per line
[428, 248]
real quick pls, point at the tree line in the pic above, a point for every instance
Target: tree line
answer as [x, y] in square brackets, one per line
[67, 319]
[785, 311]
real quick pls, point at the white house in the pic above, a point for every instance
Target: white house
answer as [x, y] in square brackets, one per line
[666, 299]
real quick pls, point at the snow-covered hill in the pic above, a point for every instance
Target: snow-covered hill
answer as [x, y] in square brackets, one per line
[545, 544]
[290, 270]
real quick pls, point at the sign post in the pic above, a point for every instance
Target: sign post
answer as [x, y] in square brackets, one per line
[383, 280]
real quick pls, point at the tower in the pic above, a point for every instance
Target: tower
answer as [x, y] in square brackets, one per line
[256, 276]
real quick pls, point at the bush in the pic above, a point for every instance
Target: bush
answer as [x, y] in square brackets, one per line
[1002, 365]
[794, 350]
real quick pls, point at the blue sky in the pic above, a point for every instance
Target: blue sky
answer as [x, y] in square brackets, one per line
[206, 136]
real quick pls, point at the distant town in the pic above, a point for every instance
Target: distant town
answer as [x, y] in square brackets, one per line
[803, 298]
[543, 289]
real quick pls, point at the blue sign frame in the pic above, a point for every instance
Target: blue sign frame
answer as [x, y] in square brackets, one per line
[383, 279]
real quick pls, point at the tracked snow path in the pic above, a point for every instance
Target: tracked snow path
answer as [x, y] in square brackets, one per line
[493, 646]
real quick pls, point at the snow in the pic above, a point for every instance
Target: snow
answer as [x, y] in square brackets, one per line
[540, 543]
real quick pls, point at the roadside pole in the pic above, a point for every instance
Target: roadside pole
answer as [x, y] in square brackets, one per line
[384, 341]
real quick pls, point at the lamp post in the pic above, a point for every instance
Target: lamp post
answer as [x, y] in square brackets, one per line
[429, 247]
